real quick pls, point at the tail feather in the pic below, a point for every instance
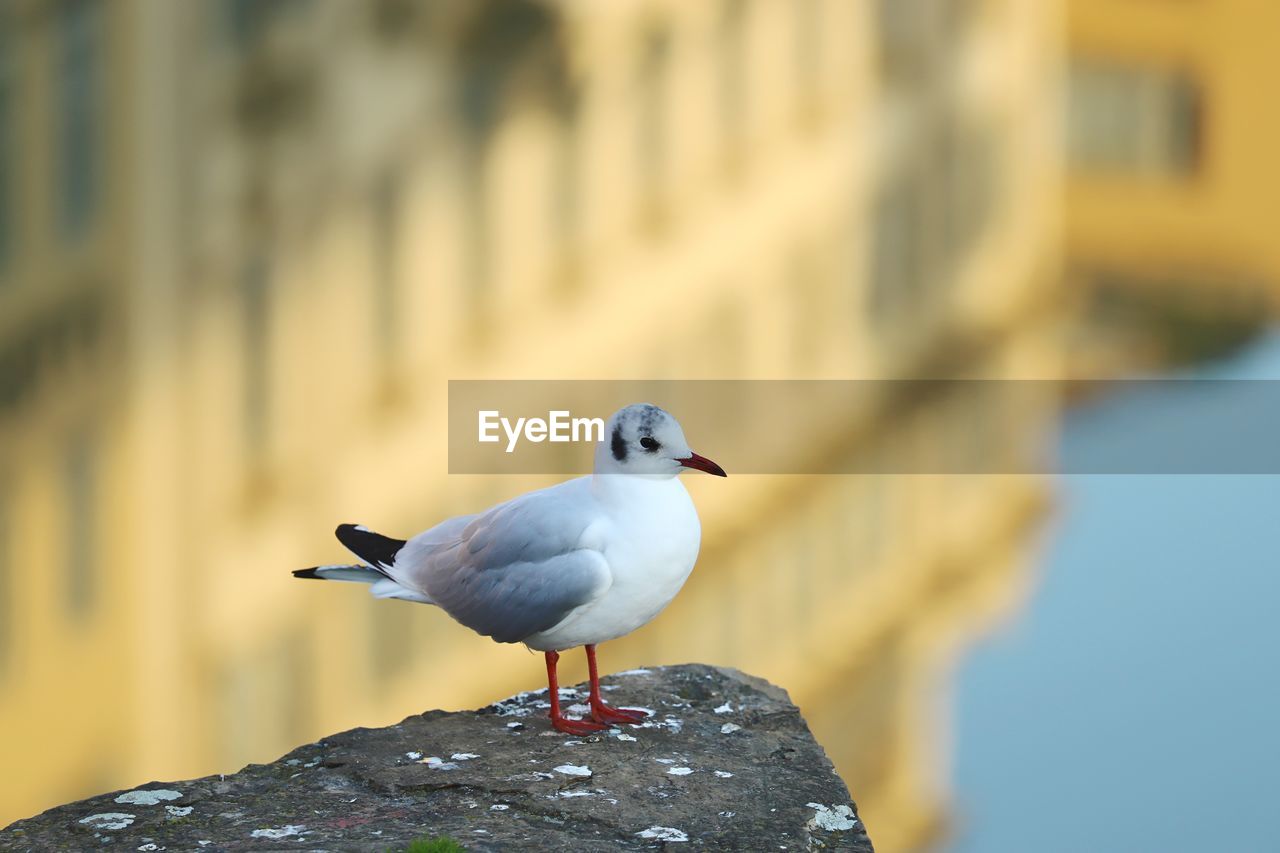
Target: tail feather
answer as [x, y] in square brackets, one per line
[374, 548]
[381, 585]
[387, 588]
[358, 574]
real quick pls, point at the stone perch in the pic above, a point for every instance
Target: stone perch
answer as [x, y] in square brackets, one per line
[725, 762]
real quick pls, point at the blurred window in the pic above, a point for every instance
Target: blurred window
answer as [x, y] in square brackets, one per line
[294, 679]
[914, 37]
[255, 305]
[898, 255]
[81, 494]
[808, 55]
[651, 123]
[905, 37]
[479, 227]
[731, 82]
[388, 202]
[79, 139]
[809, 307]
[873, 690]
[566, 201]
[244, 21]
[1132, 120]
[932, 212]
[968, 158]
[6, 588]
[242, 711]
[8, 148]
[391, 644]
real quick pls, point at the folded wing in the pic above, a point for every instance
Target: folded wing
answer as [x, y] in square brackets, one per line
[513, 571]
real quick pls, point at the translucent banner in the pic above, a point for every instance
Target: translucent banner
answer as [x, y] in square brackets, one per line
[874, 426]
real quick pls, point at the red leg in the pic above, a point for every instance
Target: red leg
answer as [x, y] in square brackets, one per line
[560, 722]
[601, 712]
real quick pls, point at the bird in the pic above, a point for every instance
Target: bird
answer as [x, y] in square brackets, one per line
[576, 564]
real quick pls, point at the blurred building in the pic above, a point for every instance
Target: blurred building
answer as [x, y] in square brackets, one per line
[1174, 182]
[243, 245]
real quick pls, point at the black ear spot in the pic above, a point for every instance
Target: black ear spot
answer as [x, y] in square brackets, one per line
[617, 445]
[650, 444]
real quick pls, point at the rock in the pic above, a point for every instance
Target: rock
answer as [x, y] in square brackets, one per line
[725, 762]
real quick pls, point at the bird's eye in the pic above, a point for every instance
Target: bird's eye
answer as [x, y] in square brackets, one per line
[649, 443]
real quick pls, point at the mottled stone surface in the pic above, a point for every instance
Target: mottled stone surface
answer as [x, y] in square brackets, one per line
[725, 762]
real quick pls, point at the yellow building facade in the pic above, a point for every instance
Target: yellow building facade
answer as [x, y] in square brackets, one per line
[1171, 138]
[249, 245]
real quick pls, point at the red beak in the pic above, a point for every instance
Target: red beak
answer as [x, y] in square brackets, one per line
[702, 463]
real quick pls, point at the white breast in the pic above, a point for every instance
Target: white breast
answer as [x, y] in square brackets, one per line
[649, 535]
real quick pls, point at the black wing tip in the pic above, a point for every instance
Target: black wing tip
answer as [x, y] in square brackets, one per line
[374, 548]
[310, 574]
[349, 535]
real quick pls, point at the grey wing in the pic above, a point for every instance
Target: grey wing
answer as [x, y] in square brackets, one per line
[515, 601]
[516, 570]
[417, 551]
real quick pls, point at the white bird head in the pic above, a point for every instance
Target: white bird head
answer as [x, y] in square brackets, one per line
[644, 439]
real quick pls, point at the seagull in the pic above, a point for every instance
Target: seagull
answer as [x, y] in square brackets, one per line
[576, 564]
